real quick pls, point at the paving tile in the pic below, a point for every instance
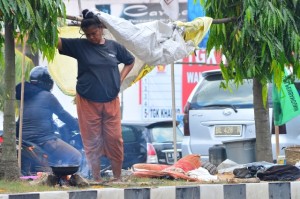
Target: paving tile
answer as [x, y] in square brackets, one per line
[92, 194]
[188, 192]
[211, 191]
[54, 195]
[110, 193]
[137, 193]
[279, 190]
[235, 191]
[25, 196]
[163, 193]
[257, 191]
[4, 196]
[295, 190]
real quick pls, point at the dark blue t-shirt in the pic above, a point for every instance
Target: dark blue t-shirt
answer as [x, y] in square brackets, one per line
[98, 77]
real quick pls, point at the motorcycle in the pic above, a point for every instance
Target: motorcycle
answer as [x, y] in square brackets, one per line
[34, 159]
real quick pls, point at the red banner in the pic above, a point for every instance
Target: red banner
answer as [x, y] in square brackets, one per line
[193, 66]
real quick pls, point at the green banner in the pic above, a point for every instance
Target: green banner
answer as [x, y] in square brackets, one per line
[286, 102]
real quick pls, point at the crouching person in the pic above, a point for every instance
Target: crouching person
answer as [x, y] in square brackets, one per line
[39, 106]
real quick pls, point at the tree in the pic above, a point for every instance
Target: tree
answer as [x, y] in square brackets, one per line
[258, 39]
[38, 20]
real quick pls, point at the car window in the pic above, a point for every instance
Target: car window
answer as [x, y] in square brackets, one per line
[210, 93]
[165, 134]
[128, 134]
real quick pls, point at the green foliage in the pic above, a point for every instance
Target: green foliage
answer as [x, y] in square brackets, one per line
[36, 19]
[28, 66]
[39, 19]
[260, 42]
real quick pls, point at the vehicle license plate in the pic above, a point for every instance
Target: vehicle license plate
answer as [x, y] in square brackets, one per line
[170, 156]
[228, 130]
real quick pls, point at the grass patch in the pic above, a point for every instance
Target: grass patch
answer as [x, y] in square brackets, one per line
[23, 186]
[150, 182]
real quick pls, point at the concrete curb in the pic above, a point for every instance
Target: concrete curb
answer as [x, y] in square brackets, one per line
[273, 190]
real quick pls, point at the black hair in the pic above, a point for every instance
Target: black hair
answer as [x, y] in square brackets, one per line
[90, 19]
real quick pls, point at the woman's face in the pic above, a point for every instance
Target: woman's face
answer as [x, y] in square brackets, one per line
[93, 34]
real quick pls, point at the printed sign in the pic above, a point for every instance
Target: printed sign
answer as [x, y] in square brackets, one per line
[143, 12]
[193, 66]
[156, 93]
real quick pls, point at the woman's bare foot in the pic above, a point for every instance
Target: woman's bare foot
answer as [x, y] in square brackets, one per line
[96, 181]
[114, 180]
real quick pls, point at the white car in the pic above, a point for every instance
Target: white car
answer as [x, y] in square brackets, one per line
[213, 115]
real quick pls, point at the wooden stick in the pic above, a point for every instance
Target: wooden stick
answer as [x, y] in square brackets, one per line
[174, 113]
[74, 18]
[215, 21]
[224, 20]
[277, 141]
[22, 101]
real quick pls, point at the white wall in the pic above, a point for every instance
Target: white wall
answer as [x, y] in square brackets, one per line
[65, 101]
[131, 108]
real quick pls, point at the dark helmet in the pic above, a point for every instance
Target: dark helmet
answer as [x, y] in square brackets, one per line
[40, 77]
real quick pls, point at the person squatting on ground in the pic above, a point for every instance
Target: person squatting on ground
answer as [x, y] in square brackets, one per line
[98, 86]
[38, 125]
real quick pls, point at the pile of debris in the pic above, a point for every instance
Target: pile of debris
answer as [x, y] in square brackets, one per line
[49, 179]
[191, 168]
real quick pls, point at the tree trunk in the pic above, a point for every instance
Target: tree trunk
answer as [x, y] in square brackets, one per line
[262, 125]
[9, 162]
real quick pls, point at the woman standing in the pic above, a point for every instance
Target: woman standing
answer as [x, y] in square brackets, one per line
[98, 86]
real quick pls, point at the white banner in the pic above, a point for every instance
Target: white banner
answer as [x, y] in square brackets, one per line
[170, 8]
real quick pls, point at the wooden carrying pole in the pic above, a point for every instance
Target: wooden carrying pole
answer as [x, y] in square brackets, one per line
[174, 113]
[277, 141]
[74, 18]
[215, 21]
[22, 102]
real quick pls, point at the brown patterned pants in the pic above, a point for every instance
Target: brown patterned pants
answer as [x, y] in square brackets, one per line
[100, 127]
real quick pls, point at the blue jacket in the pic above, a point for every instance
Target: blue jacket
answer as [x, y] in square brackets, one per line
[39, 107]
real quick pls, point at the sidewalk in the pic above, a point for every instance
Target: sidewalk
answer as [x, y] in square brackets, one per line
[263, 190]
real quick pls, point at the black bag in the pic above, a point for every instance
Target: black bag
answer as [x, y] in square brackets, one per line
[280, 173]
[247, 172]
